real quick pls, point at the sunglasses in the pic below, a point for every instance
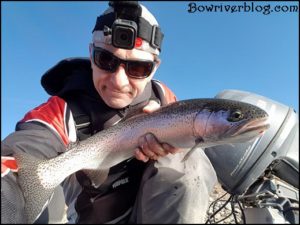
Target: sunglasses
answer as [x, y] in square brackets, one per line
[107, 61]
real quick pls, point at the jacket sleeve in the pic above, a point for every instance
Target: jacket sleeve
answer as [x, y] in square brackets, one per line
[42, 133]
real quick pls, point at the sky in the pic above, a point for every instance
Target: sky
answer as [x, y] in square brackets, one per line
[237, 45]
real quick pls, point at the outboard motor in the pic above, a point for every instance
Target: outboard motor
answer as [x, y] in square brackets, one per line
[263, 173]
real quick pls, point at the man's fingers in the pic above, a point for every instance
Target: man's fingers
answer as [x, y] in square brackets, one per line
[140, 155]
[151, 148]
[154, 146]
[171, 149]
[145, 149]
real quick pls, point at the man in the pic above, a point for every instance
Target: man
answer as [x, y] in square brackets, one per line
[89, 95]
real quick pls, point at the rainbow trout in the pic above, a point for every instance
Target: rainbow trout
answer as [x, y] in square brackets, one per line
[183, 124]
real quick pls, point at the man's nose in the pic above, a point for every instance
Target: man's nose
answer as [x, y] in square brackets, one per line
[119, 77]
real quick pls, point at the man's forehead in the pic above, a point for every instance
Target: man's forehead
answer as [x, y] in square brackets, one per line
[132, 53]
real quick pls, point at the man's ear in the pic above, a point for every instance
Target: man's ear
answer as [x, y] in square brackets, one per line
[90, 50]
[91, 54]
[158, 62]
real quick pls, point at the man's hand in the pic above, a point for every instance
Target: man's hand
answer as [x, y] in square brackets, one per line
[149, 146]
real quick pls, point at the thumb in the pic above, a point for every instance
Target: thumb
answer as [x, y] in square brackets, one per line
[151, 106]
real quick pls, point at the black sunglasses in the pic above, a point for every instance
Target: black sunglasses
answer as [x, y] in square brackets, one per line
[107, 61]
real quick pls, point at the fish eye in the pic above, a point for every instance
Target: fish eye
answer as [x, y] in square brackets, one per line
[235, 116]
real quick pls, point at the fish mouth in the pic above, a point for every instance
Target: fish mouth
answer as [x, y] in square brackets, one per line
[259, 125]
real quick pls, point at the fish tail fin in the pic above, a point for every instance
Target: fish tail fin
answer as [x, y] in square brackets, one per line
[35, 194]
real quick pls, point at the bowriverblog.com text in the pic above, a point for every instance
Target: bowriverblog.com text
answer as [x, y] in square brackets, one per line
[245, 7]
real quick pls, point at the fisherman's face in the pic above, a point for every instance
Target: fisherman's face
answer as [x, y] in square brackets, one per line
[116, 88]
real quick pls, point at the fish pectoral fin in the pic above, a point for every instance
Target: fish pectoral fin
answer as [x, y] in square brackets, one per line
[190, 152]
[97, 177]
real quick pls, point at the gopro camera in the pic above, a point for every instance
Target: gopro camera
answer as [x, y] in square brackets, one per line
[125, 24]
[124, 33]
[124, 28]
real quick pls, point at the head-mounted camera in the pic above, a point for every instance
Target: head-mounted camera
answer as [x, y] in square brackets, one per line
[125, 24]
[123, 33]
[124, 29]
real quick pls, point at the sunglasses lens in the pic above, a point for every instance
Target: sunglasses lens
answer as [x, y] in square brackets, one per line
[140, 69]
[105, 61]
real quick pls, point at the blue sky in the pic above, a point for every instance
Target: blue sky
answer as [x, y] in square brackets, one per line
[203, 52]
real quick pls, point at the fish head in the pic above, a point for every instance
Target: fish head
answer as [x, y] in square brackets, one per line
[223, 121]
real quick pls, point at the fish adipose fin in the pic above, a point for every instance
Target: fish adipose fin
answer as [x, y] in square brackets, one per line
[35, 194]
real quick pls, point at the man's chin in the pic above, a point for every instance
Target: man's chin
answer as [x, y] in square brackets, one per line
[117, 103]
